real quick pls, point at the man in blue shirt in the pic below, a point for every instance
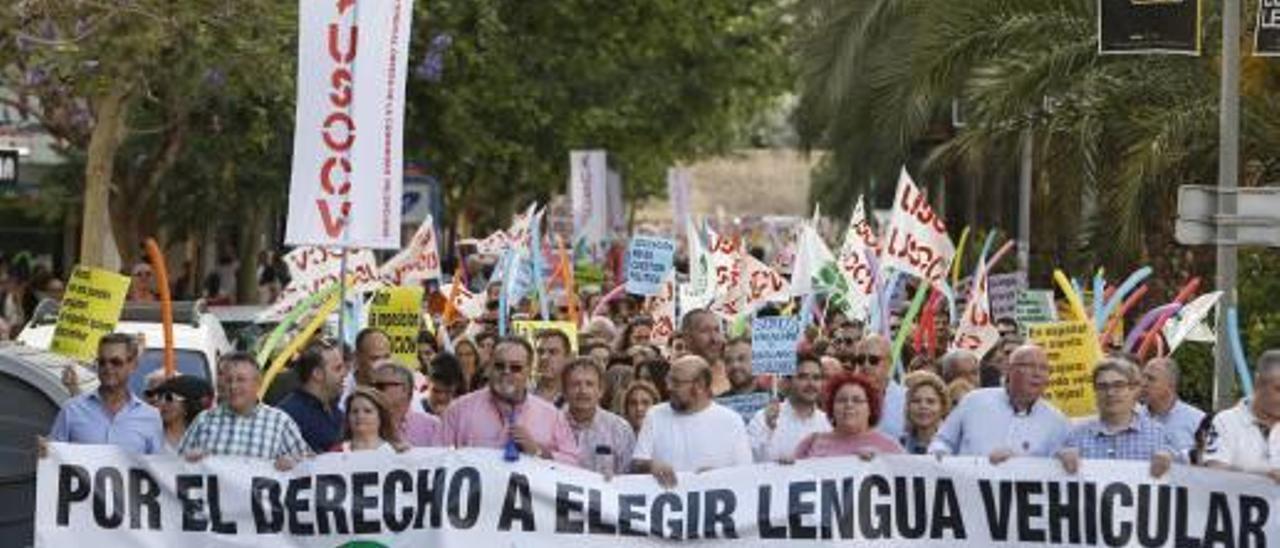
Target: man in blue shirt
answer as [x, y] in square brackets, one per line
[111, 415]
[1160, 394]
[1008, 421]
[1119, 432]
[314, 405]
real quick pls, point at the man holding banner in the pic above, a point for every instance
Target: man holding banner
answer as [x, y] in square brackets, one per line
[690, 433]
[1009, 421]
[240, 426]
[776, 430]
[1245, 438]
[1119, 432]
[111, 414]
[504, 416]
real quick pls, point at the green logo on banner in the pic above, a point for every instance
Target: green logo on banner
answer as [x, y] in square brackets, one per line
[363, 544]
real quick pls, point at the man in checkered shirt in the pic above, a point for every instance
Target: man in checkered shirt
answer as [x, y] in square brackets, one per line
[1119, 432]
[240, 426]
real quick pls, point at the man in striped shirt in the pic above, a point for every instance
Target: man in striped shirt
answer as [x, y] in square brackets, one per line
[240, 425]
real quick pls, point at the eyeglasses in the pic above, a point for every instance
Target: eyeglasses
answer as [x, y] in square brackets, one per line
[515, 368]
[383, 386]
[169, 397]
[1110, 387]
[868, 359]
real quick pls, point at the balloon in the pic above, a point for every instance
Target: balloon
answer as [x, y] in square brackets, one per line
[1237, 352]
[1145, 323]
[1129, 283]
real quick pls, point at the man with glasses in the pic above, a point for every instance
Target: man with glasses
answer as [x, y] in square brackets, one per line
[417, 428]
[844, 338]
[142, 286]
[1007, 421]
[1119, 432]
[871, 357]
[690, 433]
[503, 416]
[111, 415]
[313, 406]
[240, 425]
[776, 430]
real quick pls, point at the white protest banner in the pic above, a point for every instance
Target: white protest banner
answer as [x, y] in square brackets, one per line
[417, 262]
[469, 304]
[662, 308]
[678, 194]
[916, 240]
[730, 297]
[588, 190]
[617, 210]
[345, 189]
[977, 331]
[860, 243]
[1190, 317]
[311, 269]
[105, 497]
[1003, 290]
[764, 284]
[648, 260]
[701, 287]
[773, 345]
[1035, 306]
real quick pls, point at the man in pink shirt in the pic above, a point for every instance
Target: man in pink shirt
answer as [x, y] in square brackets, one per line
[417, 428]
[503, 411]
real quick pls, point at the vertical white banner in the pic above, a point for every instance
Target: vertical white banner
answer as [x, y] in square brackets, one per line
[346, 184]
[617, 207]
[588, 182]
[678, 195]
[916, 241]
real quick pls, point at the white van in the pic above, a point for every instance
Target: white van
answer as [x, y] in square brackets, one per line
[197, 336]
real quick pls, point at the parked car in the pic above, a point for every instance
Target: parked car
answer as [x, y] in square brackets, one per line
[197, 335]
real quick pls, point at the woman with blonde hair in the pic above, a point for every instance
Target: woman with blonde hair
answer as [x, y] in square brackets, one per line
[928, 402]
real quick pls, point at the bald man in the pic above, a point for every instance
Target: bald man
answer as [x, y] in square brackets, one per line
[1003, 422]
[871, 357]
[690, 433]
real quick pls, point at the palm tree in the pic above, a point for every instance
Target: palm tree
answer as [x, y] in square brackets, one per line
[1114, 135]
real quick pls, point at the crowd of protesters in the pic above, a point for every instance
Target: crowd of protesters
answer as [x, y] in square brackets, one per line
[625, 402]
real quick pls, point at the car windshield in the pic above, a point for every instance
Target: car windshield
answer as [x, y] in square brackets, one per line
[189, 363]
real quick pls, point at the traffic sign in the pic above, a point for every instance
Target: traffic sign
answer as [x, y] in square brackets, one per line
[1255, 222]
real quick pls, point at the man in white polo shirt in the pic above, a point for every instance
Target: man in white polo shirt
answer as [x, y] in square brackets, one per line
[1007, 421]
[1243, 438]
[690, 433]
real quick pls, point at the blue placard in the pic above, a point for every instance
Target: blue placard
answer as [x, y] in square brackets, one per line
[773, 345]
[648, 261]
[746, 405]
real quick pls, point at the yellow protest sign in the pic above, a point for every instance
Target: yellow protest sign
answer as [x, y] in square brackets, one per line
[397, 311]
[529, 329]
[90, 309]
[1073, 351]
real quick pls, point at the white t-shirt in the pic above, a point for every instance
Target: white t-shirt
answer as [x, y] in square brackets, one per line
[1236, 439]
[780, 443]
[712, 438]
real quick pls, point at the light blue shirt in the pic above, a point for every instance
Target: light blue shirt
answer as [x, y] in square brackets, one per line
[84, 419]
[985, 421]
[893, 411]
[1181, 423]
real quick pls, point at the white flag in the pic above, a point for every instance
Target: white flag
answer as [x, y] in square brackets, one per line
[812, 255]
[1190, 321]
[764, 284]
[916, 240]
[977, 331]
[345, 189]
[312, 269]
[726, 270]
[588, 191]
[662, 308]
[420, 261]
[468, 304]
[860, 241]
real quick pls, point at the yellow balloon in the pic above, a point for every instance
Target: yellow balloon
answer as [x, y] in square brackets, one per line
[322, 313]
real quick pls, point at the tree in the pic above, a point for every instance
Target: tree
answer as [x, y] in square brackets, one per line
[120, 83]
[504, 90]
